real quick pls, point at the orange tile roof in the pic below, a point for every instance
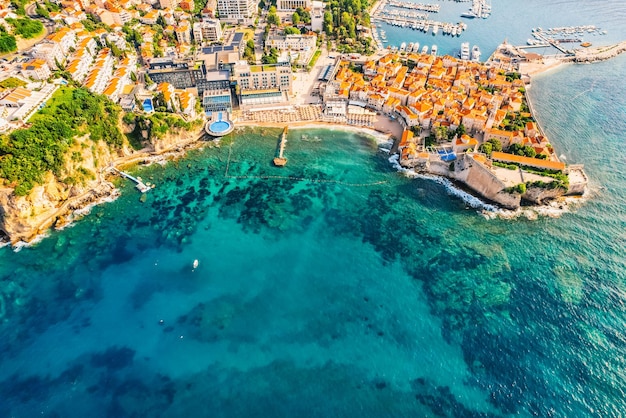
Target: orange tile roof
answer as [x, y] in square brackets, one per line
[535, 162]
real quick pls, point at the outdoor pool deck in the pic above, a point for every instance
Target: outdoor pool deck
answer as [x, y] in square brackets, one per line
[218, 126]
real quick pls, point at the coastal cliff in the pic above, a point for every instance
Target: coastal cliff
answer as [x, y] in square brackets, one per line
[485, 183]
[82, 182]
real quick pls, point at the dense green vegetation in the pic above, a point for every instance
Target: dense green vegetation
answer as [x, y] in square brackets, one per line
[490, 146]
[340, 22]
[518, 188]
[272, 17]
[20, 6]
[524, 151]
[515, 121]
[7, 41]
[25, 27]
[198, 6]
[301, 16]
[248, 53]
[157, 124]
[271, 57]
[292, 30]
[26, 155]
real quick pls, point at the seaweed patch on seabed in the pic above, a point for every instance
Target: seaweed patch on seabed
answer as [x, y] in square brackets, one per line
[279, 205]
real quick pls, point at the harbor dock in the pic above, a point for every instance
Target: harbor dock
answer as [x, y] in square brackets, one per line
[280, 161]
[143, 188]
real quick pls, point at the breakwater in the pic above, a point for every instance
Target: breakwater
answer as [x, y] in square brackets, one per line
[601, 53]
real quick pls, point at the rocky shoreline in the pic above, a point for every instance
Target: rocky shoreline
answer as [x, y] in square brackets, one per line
[24, 219]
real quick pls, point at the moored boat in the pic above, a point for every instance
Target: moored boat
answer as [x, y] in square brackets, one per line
[465, 51]
[475, 53]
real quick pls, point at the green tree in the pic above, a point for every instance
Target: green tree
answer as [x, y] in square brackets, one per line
[25, 27]
[460, 131]
[486, 148]
[7, 43]
[295, 18]
[272, 18]
[305, 16]
[248, 52]
[290, 30]
[42, 11]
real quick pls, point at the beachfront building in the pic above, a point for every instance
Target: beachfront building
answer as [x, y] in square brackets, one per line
[262, 84]
[217, 93]
[291, 5]
[209, 30]
[237, 11]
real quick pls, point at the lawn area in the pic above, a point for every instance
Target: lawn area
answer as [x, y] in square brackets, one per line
[314, 59]
[11, 82]
[62, 95]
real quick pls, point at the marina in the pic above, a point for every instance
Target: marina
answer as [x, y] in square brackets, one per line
[413, 16]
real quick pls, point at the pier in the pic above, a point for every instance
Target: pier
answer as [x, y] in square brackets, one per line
[281, 160]
[139, 184]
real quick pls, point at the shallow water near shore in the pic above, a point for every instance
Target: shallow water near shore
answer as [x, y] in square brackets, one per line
[331, 287]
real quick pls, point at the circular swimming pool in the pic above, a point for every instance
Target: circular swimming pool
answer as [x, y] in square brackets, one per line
[220, 126]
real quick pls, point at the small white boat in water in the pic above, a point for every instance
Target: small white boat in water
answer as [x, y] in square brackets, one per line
[425, 49]
[433, 50]
[195, 263]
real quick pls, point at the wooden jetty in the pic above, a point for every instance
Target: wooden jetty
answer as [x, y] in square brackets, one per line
[139, 184]
[281, 160]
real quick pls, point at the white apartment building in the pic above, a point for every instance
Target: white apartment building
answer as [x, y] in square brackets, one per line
[64, 37]
[183, 34]
[50, 52]
[317, 15]
[98, 78]
[37, 69]
[209, 30]
[168, 4]
[292, 42]
[237, 11]
[290, 5]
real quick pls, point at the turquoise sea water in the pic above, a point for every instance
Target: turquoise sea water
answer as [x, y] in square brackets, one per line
[331, 287]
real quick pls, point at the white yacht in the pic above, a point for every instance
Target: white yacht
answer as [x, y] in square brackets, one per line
[425, 49]
[433, 50]
[416, 47]
[403, 47]
[475, 53]
[409, 48]
[435, 29]
[465, 51]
